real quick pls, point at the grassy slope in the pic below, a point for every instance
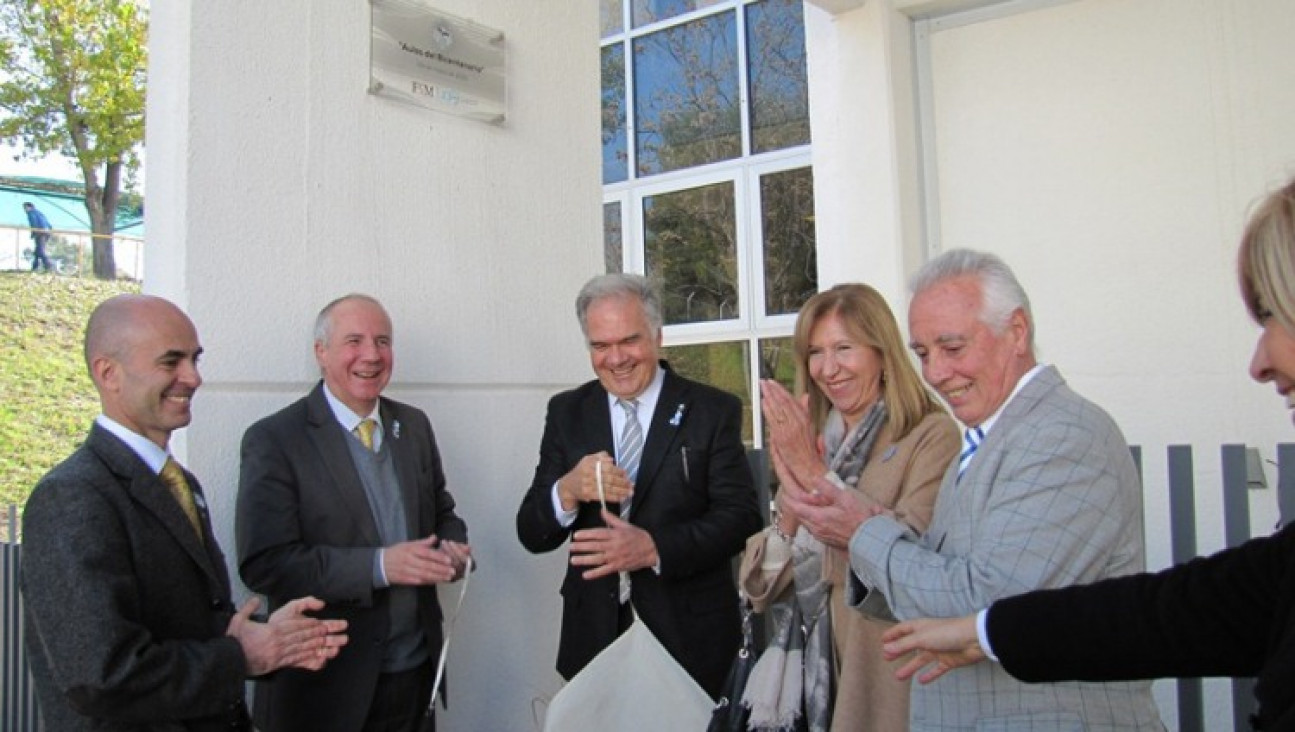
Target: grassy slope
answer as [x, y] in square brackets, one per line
[46, 399]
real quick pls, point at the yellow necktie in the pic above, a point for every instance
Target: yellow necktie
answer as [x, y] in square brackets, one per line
[364, 431]
[173, 476]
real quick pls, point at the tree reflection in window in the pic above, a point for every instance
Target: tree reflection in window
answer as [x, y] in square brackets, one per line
[615, 145]
[725, 366]
[779, 86]
[691, 252]
[790, 259]
[650, 11]
[675, 145]
[686, 102]
[613, 254]
[611, 17]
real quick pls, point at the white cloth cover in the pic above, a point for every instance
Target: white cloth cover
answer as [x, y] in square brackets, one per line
[634, 685]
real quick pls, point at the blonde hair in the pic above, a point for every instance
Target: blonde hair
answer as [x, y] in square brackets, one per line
[1266, 262]
[867, 319]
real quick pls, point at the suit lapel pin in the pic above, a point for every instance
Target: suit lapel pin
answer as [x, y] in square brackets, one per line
[678, 415]
[395, 429]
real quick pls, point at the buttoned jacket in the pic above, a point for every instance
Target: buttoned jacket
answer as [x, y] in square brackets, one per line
[125, 606]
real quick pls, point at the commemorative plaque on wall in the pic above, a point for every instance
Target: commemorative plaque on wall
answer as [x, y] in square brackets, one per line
[436, 60]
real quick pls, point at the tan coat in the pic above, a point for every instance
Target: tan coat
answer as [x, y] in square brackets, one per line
[906, 480]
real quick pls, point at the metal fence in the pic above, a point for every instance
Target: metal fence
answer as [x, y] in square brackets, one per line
[70, 252]
[1236, 530]
[17, 698]
[18, 711]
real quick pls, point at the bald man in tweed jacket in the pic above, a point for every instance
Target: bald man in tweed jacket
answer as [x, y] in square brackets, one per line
[128, 619]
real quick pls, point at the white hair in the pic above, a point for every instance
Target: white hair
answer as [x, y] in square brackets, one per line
[1001, 293]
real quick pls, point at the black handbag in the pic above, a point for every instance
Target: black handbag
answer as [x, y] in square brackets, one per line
[729, 714]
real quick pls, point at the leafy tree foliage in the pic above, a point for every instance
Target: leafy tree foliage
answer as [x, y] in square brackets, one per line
[74, 86]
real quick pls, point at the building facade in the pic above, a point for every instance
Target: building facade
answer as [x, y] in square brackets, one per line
[1108, 149]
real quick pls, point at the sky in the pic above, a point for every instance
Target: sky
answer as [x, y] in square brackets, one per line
[52, 167]
[55, 166]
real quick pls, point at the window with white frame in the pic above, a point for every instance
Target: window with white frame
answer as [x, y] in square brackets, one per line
[707, 187]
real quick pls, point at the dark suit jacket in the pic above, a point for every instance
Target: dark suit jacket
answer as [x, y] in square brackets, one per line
[304, 527]
[699, 517]
[125, 608]
[1230, 614]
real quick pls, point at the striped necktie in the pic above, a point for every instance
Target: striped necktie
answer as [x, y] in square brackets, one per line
[970, 443]
[174, 479]
[629, 451]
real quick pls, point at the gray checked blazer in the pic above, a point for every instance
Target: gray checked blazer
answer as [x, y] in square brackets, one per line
[1050, 499]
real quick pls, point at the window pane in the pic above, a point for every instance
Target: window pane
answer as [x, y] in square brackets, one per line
[790, 260]
[612, 17]
[723, 366]
[615, 145]
[686, 107]
[691, 252]
[650, 11]
[777, 362]
[779, 86]
[612, 242]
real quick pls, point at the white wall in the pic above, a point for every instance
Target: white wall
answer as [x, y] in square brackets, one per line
[1108, 150]
[865, 155]
[276, 183]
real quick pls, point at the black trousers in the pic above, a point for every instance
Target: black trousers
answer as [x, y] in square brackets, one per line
[400, 702]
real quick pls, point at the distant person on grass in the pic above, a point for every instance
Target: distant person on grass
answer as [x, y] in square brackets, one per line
[40, 233]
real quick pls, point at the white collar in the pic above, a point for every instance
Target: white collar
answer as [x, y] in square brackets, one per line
[147, 450]
[350, 420]
[646, 400]
[1026, 378]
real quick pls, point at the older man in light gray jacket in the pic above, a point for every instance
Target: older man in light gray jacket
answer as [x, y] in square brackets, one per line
[1044, 494]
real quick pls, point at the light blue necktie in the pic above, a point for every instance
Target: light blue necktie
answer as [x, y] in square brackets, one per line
[629, 451]
[970, 443]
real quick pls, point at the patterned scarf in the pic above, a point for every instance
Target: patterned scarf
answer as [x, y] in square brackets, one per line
[791, 687]
[848, 453]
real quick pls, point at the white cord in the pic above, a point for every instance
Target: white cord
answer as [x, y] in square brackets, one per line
[449, 631]
[598, 476]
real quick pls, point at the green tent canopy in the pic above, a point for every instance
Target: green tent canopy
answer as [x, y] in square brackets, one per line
[62, 203]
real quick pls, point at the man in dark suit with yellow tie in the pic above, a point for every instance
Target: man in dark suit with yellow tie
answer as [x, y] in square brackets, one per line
[129, 622]
[343, 492]
[672, 450]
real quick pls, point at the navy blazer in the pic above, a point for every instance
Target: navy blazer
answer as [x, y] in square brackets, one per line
[126, 609]
[694, 495]
[304, 527]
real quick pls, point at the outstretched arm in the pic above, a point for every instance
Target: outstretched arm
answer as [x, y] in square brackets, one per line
[939, 646]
